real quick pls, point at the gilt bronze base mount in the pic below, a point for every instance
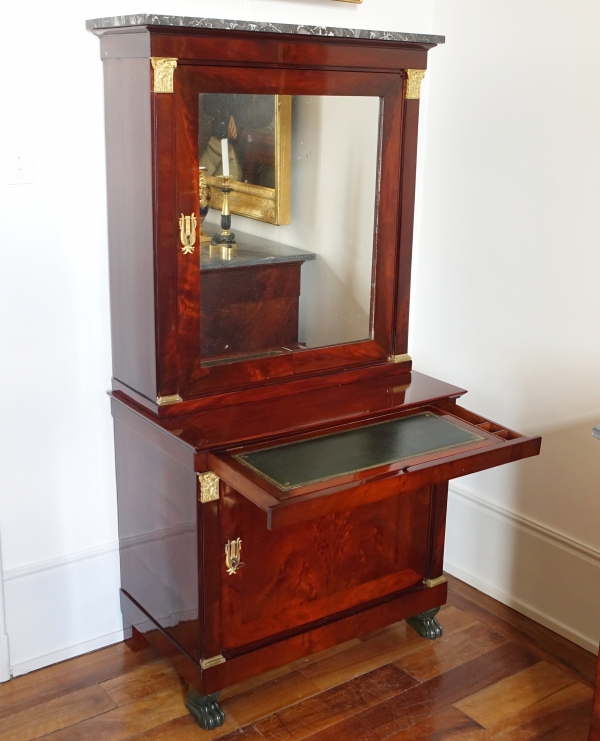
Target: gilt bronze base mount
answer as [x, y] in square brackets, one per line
[426, 624]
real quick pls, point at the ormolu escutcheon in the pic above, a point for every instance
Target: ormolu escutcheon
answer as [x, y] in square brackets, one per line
[233, 557]
[187, 233]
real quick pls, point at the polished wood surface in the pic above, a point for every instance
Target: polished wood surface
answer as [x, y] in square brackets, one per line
[196, 378]
[128, 126]
[247, 310]
[158, 535]
[495, 445]
[495, 675]
[158, 311]
[323, 564]
[332, 563]
[327, 562]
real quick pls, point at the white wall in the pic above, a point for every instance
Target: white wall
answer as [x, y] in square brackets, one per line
[505, 292]
[57, 493]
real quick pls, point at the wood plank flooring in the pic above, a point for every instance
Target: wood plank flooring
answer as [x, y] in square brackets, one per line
[493, 676]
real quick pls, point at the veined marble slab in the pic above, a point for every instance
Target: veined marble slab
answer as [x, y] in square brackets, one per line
[252, 250]
[148, 19]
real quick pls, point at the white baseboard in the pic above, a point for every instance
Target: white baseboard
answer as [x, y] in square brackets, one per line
[541, 573]
[68, 606]
[78, 649]
[522, 607]
[62, 607]
[5, 670]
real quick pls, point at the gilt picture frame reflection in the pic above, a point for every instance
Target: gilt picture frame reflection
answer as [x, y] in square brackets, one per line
[258, 129]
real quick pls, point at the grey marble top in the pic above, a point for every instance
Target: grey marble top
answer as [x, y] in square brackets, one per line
[252, 250]
[596, 432]
[148, 19]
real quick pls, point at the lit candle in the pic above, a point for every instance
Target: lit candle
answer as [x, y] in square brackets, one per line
[225, 155]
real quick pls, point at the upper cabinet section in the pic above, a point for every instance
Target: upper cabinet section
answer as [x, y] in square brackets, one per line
[260, 199]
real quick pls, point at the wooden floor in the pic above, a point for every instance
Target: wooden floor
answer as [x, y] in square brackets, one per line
[493, 675]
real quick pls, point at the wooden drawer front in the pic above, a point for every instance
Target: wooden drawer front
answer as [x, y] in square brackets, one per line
[426, 446]
[308, 571]
[249, 310]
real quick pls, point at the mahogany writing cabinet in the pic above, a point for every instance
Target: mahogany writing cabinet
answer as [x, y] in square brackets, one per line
[282, 472]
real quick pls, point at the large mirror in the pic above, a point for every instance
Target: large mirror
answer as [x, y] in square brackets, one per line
[307, 284]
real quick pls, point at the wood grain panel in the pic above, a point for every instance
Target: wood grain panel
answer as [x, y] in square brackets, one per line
[419, 702]
[142, 682]
[269, 697]
[438, 657]
[365, 544]
[30, 690]
[544, 716]
[297, 575]
[186, 729]
[380, 648]
[515, 693]
[122, 723]
[309, 716]
[249, 310]
[227, 47]
[448, 724]
[56, 714]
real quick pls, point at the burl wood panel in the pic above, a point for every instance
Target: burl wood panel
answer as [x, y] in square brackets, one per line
[249, 309]
[315, 569]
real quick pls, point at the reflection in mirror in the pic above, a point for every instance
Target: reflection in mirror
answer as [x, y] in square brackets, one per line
[307, 284]
[258, 132]
[248, 122]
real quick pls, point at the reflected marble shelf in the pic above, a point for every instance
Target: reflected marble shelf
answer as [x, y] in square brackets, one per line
[252, 251]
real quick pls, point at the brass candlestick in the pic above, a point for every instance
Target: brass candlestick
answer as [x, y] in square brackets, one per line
[204, 203]
[226, 239]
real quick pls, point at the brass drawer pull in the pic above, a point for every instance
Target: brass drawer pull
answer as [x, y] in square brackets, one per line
[233, 550]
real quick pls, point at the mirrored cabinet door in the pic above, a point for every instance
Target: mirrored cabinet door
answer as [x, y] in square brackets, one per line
[289, 183]
[307, 283]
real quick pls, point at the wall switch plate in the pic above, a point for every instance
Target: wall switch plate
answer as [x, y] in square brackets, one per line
[18, 168]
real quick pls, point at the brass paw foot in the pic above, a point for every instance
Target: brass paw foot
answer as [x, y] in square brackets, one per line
[205, 710]
[426, 625]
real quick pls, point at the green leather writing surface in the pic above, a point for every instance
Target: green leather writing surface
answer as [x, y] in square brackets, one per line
[291, 465]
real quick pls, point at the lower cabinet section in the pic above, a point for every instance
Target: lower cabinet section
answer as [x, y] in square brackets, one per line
[265, 656]
[278, 550]
[311, 570]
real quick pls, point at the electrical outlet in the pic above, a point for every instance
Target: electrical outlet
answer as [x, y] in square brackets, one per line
[18, 168]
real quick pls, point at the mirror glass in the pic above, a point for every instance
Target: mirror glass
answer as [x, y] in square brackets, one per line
[291, 268]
